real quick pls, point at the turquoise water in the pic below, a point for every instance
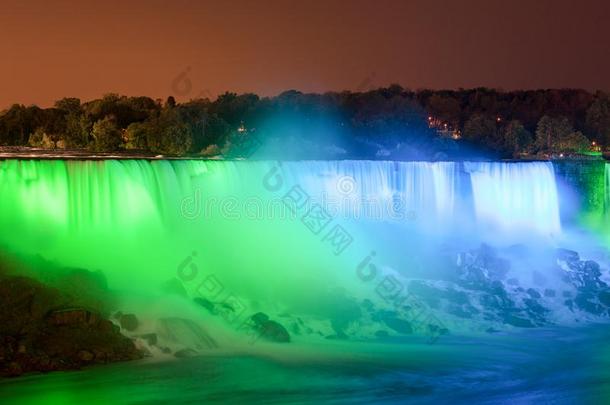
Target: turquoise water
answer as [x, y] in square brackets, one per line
[558, 366]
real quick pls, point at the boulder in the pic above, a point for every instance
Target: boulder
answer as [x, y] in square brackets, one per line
[568, 256]
[397, 324]
[268, 329]
[274, 332]
[129, 322]
[39, 331]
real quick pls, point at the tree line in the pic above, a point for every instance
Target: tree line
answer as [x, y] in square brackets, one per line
[390, 122]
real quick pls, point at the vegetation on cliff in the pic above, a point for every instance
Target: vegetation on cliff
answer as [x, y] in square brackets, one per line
[385, 123]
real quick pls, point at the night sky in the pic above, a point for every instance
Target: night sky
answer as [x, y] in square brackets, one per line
[53, 49]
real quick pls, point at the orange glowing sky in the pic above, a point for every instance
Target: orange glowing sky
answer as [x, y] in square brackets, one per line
[52, 49]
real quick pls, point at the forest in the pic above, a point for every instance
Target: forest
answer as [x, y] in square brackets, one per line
[385, 123]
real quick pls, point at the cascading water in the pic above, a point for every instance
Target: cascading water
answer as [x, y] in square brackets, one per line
[141, 210]
[515, 197]
[607, 190]
[276, 235]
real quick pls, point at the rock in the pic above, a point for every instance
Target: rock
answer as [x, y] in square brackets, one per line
[14, 369]
[549, 293]
[72, 316]
[587, 303]
[368, 305]
[259, 318]
[396, 324]
[39, 331]
[87, 289]
[518, 322]
[533, 293]
[566, 255]
[604, 297]
[21, 311]
[205, 303]
[482, 268]
[129, 322]
[268, 329]
[584, 275]
[150, 338]
[382, 334]
[273, 331]
[86, 356]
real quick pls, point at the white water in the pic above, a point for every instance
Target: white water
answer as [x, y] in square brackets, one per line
[515, 197]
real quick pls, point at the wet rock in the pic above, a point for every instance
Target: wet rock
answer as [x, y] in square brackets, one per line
[382, 334]
[568, 256]
[24, 302]
[87, 289]
[480, 268]
[533, 293]
[259, 318]
[518, 322]
[268, 329]
[72, 316]
[150, 338]
[274, 332]
[604, 297]
[549, 293]
[393, 322]
[588, 303]
[584, 275]
[39, 331]
[86, 356]
[129, 322]
[368, 305]
[14, 369]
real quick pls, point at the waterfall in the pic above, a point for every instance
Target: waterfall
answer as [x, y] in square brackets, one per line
[607, 190]
[379, 190]
[515, 197]
[260, 224]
